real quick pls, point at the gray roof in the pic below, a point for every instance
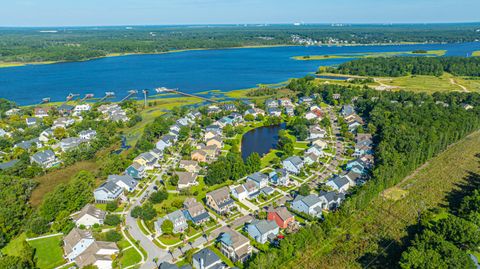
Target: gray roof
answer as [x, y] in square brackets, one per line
[258, 177]
[264, 226]
[110, 186]
[27, 144]
[295, 160]
[128, 180]
[43, 156]
[331, 195]
[309, 200]
[208, 257]
[340, 181]
[8, 164]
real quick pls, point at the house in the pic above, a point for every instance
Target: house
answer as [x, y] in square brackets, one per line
[320, 143]
[353, 121]
[281, 216]
[467, 106]
[80, 247]
[65, 109]
[79, 109]
[310, 204]
[315, 132]
[339, 184]
[165, 142]
[199, 155]
[357, 165]
[147, 160]
[209, 135]
[260, 179]
[194, 211]
[98, 254]
[177, 218]
[214, 128]
[41, 112]
[239, 192]
[331, 200]
[69, 143]
[229, 107]
[248, 103]
[267, 191]
[314, 115]
[26, 145]
[107, 192]
[279, 177]
[364, 140]
[45, 159]
[293, 164]
[361, 150]
[213, 109]
[254, 112]
[285, 102]
[353, 176]
[216, 141]
[274, 112]
[136, 171]
[156, 153]
[125, 182]
[207, 259]
[220, 201]
[186, 180]
[270, 103]
[8, 165]
[88, 216]
[347, 110]
[46, 135]
[76, 242]
[316, 150]
[62, 123]
[190, 166]
[290, 110]
[87, 134]
[235, 246]
[310, 158]
[305, 100]
[13, 111]
[3, 133]
[263, 230]
[31, 121]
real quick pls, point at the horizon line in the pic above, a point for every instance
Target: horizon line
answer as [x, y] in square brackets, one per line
[259, 24]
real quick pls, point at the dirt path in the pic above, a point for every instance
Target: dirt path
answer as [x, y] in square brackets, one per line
[459, 85]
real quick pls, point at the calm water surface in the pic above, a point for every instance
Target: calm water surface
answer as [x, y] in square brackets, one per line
[260, 140]
[191, 71]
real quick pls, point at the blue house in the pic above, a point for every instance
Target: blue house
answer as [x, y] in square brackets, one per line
[358, 166]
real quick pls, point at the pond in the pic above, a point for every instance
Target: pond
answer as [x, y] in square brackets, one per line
[261, 140]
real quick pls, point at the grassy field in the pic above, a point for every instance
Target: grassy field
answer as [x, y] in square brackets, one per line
[368, 55]
[385, 223]
[476, 53]
[14, 247]
[150, 113]
[428, 84]
[48, 252]
[49, 181]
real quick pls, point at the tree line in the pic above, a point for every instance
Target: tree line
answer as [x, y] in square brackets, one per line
[403, 66]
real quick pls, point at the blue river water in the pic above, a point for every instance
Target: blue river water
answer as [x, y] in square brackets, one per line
[190, 71]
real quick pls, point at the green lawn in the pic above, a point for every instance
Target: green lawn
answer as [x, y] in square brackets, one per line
[169, 239]
[49, 253]
[476, 53]
[130, 257]
[267, 158]
[428, 84]
[14, 247]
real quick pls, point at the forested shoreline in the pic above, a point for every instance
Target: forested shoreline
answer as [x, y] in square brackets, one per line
[403, 66]
[26, 45]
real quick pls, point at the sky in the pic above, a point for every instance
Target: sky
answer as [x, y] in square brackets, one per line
[168, 12]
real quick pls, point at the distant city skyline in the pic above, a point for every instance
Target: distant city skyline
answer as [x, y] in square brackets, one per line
[177, 12]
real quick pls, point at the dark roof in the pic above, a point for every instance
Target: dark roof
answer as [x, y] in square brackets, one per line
[8, 164]
[208, 257]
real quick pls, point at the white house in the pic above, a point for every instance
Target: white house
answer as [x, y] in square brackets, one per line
[88, 216]
[339, 184]
[310, 204]
[260, 179]
[78, 109]
[76, 242]
[293, 164]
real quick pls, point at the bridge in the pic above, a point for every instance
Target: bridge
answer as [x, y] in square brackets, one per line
[176, 91]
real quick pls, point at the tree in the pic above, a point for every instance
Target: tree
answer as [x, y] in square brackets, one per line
[113, 236]
[253, 162]
[167, 227]
[158, 196]
[304, 190]
[249, 117]
[60, 133]
[112, 220]
[112, 206]
[184, 133]
[432, 251]
[464, 234]
[174, 180]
